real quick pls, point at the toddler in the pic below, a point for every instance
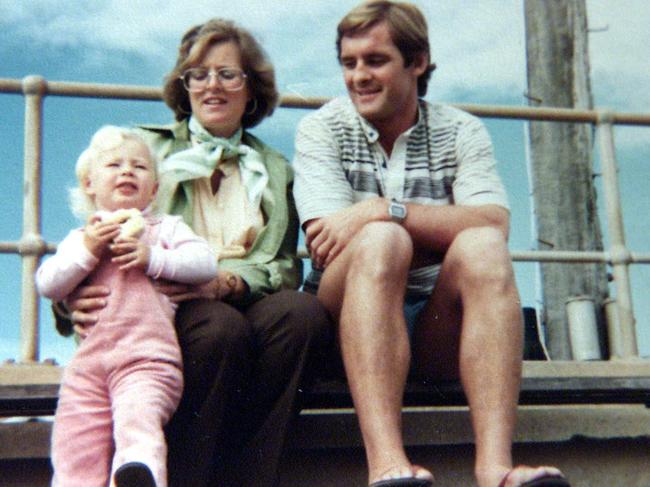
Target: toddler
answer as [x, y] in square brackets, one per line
[125, 379]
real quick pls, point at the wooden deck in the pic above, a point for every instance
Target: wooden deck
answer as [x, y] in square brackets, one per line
[589, 418]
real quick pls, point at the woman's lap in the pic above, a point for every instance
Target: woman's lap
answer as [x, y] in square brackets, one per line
[243, 368]
[271, 331]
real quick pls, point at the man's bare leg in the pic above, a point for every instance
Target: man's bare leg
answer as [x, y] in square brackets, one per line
[472, 327]
[364, 288]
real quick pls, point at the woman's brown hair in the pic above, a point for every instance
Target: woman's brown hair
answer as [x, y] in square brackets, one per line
[259, 71]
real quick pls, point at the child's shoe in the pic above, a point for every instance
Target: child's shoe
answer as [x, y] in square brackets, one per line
[134, 474]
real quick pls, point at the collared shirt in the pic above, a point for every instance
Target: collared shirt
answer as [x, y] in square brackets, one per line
[226, 219]
[391, 168]
[271, 264]
[445, 158]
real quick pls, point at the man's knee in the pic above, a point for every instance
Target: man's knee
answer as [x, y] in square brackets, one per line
[382, 249]
[481, 254]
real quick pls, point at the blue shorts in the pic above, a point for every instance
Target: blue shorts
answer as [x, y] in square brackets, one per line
[413, 306]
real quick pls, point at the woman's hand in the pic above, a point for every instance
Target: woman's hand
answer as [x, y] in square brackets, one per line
[131, 253]
[225, 285]
[83, 305]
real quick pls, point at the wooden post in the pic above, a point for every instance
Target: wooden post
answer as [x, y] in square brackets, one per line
[563, 191]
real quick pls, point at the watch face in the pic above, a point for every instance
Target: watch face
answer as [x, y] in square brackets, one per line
[397, 211]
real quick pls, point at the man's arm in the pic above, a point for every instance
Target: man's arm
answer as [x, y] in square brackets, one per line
[436, 227]
[320, 187]
[479, 198]
[326, 237]
[432, 228]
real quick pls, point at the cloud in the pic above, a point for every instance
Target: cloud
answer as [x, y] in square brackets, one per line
[618, 52]
[618, 45]
[479, 46]
[299, 35]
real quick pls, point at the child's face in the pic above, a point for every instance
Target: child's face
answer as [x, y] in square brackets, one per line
[123, 177]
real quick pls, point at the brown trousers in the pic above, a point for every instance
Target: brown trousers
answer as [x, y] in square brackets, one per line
[242, 371]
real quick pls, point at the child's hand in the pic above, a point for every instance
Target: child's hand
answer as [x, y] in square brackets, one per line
[131, 253]
[98, 235]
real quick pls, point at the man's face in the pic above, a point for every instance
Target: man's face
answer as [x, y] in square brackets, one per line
[382, 89]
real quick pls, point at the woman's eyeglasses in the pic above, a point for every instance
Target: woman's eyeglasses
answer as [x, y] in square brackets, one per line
[197, 79]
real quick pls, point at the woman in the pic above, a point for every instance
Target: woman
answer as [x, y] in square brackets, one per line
[247, 342]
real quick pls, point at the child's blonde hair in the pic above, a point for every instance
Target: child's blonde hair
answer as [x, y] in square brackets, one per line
[107, 138]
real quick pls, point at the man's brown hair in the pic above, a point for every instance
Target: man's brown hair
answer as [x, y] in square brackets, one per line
[407, 26]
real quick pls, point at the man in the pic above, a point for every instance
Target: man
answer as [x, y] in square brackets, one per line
[407, 218]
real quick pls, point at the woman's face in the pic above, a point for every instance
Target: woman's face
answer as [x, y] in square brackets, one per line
[218, 110]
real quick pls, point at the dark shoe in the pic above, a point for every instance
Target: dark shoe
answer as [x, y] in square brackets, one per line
[403, 482]
[134, 474]
[548, 481]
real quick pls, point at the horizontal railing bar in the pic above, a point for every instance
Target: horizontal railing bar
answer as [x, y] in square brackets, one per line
[575, 256]
[145, 93]
[559, 256]
[14, 248]
[569, 256]
[87, 90]
[97, 90]
[553, 114]
[11, 86]
[295, 101]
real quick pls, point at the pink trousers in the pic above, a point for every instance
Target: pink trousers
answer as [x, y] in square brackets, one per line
[119, 390]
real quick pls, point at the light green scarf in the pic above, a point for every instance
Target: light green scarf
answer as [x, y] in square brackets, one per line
[202, 158]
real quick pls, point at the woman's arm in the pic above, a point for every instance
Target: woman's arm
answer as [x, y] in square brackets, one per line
[79, 310]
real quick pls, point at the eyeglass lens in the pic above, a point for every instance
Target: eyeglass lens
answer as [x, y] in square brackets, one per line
[197, 79]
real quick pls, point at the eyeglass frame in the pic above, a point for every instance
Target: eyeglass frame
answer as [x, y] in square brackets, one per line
[213, 72]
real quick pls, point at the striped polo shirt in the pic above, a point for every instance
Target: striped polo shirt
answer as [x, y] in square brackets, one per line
[445, 158]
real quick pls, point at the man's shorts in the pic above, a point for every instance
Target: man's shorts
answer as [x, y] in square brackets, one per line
[413, 306]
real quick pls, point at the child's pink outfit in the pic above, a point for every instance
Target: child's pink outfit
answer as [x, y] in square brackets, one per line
[125, 380]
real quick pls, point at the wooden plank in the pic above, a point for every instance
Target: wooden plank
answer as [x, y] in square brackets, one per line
[536, 390]
[28, 399]
[40, 399]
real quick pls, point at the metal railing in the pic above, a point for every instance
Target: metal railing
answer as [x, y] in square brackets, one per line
[31, 246]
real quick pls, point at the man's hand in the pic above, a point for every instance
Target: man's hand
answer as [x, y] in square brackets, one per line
[327, 237]
[225, 285]
[83, 304]
[131, 253]
[98, 235]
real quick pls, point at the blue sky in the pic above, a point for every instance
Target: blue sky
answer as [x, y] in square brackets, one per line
[479, 46]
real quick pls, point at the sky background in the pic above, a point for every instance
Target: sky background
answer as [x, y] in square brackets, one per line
[479, 46]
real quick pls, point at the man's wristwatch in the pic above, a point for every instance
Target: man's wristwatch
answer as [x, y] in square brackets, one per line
[397, 211]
